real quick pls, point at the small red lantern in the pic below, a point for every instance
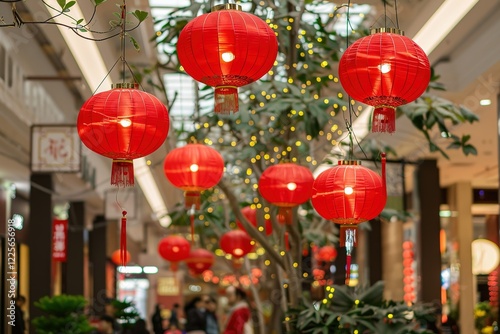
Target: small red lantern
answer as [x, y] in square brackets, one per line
[237, 243]
[326, 254]
[174, 248]
[349, 194]
[116, 257]
[194, 168]
[200, 260]
[227, 49]
[123, 124]
[286, 185]
[250, 214]
[384, 70]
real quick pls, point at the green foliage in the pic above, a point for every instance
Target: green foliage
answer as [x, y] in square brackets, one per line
[483, 315]
[64, 315]
[346, 311]
[125, 313]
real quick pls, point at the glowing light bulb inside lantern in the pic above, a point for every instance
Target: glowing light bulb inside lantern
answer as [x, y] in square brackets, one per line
[348, 190]
[175, 249]
[384, 68]
[125, 122]
[228, 57]
[291, 186]
[194, 168]
[238, 252]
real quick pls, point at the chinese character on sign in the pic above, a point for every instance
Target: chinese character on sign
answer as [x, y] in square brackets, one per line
[59, 240]
[55, 149]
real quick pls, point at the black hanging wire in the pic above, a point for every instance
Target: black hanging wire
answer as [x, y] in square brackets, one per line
[385, 13]
[396, 10]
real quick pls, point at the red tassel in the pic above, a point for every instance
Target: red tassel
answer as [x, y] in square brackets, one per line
[174, 266]
[285, 215]
[226, 100]
[347, 269]
[343, 232]
[287, 242]
[122, 173]
[192, 198]
[123, 239]
[191, 218]
[384, 119]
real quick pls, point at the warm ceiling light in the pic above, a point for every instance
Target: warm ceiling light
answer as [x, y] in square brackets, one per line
[485, 102]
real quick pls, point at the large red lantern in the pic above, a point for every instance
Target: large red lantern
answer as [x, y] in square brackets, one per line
[123, 124]
[194, 168]
[237, 243]
[349, 194]
[116, 257]
[227, 49]
[384, 70]
[200, 260]
[250, 214]
[286, 185]
[174, 248]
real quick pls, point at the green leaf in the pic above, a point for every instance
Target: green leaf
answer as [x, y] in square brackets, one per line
[69, 5]
[134, 43]
[61, 3]
[469, 149]
[140, 15]
[98, 2]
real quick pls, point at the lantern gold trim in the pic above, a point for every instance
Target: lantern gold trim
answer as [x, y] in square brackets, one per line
[349, 162]
[387, 30]
[226, 6]
[125, 85]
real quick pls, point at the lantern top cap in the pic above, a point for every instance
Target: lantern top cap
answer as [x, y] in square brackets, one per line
[226, 6]
[349, 163]
[387, 30]
[125, 85]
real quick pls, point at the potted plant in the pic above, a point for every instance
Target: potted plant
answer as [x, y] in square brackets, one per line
[64, 314]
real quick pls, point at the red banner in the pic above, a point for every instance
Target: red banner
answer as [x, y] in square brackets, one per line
[59, 240]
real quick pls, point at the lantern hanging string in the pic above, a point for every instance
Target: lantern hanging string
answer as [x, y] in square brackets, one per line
[122, 37]
[123, 231]
[396, 10]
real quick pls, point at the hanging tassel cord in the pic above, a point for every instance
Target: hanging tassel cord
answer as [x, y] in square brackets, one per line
[123, 239]
[191, 213]
[349, 245]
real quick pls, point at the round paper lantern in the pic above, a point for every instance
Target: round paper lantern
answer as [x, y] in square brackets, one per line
[384, 70]
[174, 248]
[237, 243]
[286, 185]
[194, 168]
[250, 214]
[200, 260]
[349, 194]
[117, 259]
[227, 49]
[123, 124]
[326, 254]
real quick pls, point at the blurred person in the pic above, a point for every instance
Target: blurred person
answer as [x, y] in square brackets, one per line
[174, 315]
[239, 318]
[157, 320]
[20, 324]
[140, 327]
[212, 326]
[173, 329]
[106, 325]
[196, 317]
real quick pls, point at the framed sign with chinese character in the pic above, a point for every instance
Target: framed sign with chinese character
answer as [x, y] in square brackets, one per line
[59, 240]
[55, 148]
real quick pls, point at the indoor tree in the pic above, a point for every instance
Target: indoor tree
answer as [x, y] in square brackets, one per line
[297, 113]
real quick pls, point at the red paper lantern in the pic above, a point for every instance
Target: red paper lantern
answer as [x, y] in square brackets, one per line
[123, 124]
[384, 70]
[349, 194]
[250, 214]
[194, 168]
[174, 248]
[237, 243]
[286, 185]
[227, 49]
[326, 254]
[200, 260]
[117, 259]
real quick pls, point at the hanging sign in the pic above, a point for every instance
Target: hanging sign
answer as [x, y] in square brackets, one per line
[59, 240]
